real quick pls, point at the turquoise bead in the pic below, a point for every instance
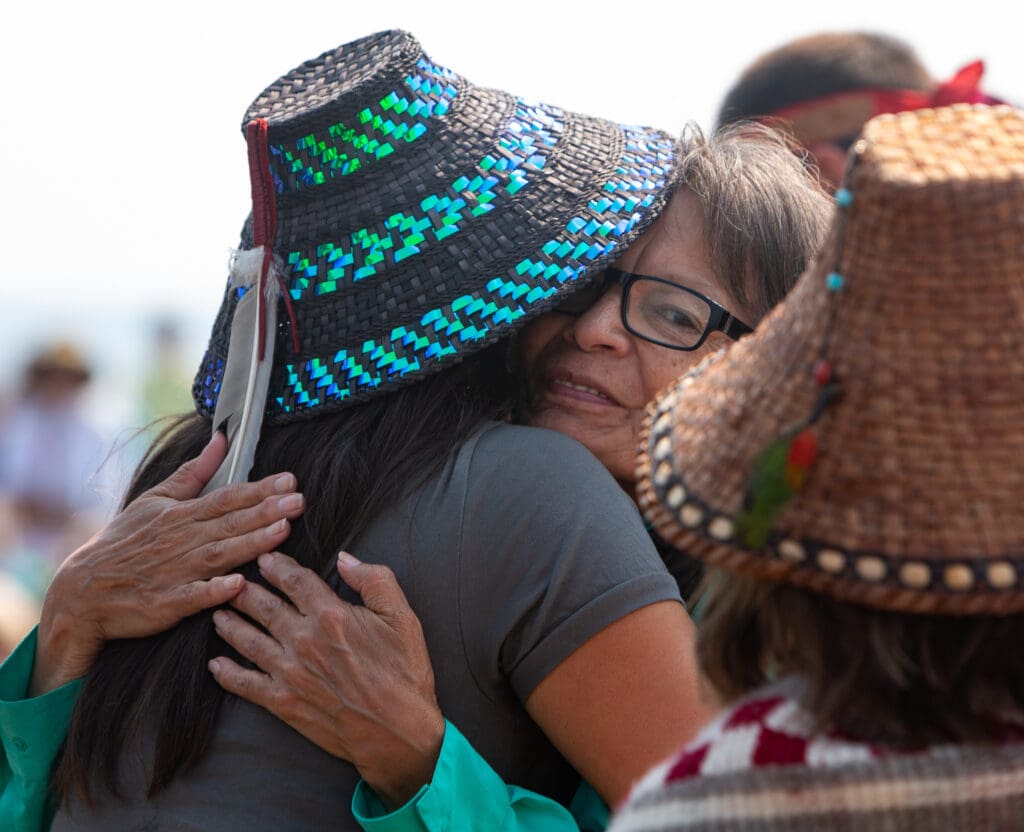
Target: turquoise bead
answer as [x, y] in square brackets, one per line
[834, 282]
[844, 197]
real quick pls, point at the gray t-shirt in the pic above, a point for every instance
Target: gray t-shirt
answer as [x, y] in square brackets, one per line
[520, 550]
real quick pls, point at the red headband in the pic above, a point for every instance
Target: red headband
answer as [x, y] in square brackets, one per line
[838, 115]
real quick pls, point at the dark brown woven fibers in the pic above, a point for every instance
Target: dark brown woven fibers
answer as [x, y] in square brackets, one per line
[343, 79]
[916, 499]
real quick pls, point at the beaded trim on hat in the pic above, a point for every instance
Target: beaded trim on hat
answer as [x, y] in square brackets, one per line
[676, 505]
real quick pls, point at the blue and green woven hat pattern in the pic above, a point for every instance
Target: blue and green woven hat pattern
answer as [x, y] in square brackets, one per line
[420, 218]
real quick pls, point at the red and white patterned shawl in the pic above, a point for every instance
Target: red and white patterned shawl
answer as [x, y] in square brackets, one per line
[759, 766]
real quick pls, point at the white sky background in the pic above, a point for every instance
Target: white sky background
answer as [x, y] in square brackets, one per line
[124, 169]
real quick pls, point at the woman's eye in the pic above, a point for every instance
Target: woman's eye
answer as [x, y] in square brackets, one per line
[677, 318]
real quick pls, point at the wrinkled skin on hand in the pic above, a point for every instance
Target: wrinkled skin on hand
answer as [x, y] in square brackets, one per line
[355, 680]
[160, 560]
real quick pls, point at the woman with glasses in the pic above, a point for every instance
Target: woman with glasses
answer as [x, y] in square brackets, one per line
[734, 237]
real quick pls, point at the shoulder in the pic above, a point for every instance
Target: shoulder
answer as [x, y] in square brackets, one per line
[552, 550]
[529, 445]
[550, 480]
[541, 459]
[544, 502]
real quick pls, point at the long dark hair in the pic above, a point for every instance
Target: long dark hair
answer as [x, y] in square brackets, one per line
[350, 465]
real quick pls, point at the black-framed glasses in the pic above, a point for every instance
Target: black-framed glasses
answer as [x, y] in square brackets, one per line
[659, 310]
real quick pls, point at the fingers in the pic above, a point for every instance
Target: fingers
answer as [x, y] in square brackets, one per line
[222, 555]
[306, 590]
[240, 535]
[242, 495]
[202, 595]
[191, 478]
[376, 585]
[249, 684]
[255, 645]
[261, 605]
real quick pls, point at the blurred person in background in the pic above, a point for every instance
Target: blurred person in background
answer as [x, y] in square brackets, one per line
[49, 456]
[822, 88]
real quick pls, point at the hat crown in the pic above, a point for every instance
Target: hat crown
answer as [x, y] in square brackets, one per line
[932, 253]
[336, 81]
[962, 143]
[60, 357]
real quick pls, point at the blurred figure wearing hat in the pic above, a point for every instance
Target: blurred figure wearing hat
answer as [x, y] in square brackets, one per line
[822, 88]
[853, 474]
[49, 456]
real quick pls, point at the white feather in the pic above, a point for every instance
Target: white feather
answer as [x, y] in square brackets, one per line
[243, 391]
[244, 267]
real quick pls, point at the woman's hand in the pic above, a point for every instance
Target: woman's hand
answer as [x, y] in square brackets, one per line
[357, 681]
[160, 560]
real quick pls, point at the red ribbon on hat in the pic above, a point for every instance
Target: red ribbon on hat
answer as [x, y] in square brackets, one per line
[962, 88]
[264, 225]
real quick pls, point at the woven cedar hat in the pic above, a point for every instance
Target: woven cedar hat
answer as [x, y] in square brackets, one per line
[914, 314]
[414, 217]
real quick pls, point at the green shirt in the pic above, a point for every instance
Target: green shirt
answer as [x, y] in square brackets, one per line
[466, 793]
[31, 733]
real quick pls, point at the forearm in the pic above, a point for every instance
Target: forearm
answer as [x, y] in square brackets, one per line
[31, 732]
[466, 793]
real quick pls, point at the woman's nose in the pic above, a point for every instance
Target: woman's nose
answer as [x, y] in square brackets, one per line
[600, 326]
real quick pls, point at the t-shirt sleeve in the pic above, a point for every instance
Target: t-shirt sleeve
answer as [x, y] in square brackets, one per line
[552, 551]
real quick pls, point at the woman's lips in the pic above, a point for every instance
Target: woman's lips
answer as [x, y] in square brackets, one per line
[578, 390]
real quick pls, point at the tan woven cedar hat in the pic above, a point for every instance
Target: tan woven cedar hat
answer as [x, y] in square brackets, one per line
[899, 356]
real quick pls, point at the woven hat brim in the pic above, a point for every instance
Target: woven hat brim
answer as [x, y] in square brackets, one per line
[914, 500]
